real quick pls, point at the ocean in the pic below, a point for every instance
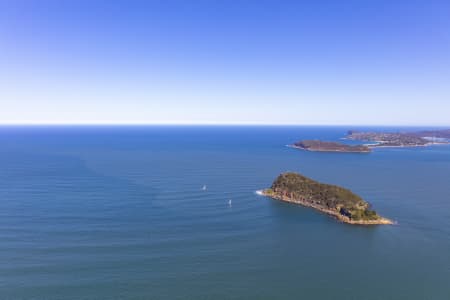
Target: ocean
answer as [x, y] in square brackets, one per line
[120, 212]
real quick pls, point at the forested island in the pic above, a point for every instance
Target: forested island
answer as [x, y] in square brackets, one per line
[333, 200]
[324, 146]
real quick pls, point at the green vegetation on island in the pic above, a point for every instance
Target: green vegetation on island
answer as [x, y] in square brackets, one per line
[331, 199]
[324, 146]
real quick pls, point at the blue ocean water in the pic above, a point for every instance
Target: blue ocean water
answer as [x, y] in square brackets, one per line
[119, 213]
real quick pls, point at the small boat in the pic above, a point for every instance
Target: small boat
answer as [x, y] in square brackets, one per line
[229, 202]
[204, 188]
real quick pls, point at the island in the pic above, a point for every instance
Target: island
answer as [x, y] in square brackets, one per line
[324, 146]
[333, 200]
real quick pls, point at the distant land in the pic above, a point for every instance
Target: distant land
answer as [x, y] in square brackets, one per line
[388, 139]
[377, 139]
[333, 200]
[324, 146]
[401, 139]
[444, 134]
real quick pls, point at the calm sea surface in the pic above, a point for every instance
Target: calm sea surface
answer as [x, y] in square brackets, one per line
[119, 213]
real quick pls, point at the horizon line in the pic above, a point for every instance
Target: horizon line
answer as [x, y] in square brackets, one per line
[215, 124]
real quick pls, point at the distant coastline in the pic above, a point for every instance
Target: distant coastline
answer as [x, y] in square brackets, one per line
[376, 140]
[401, 139]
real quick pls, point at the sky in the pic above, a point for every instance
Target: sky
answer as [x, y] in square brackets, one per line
[372, 62]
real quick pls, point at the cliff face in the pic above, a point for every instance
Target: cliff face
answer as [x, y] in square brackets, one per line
[335, 200]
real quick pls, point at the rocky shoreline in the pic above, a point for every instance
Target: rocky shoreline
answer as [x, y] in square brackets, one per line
[333, 213]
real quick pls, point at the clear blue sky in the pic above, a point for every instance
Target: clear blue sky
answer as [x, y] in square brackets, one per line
[253, 62]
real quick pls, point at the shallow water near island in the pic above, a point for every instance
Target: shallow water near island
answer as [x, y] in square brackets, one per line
[121, 213]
